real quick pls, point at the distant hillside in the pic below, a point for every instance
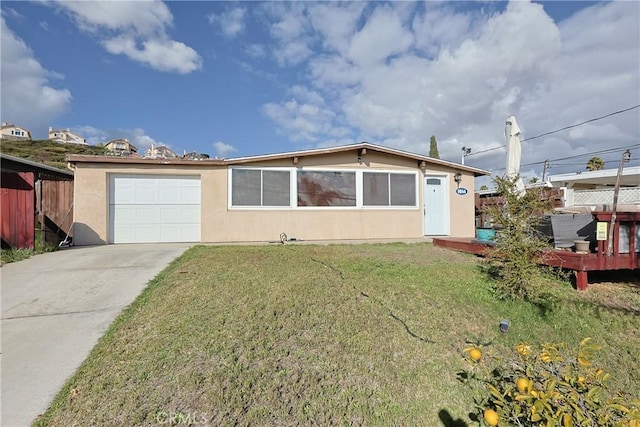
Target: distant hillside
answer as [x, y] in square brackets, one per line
[46, 151]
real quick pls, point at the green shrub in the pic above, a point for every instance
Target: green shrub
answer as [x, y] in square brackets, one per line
[548, 385]
[514, 263]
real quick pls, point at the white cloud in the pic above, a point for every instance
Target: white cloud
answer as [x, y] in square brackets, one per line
[396, 74]
[336, 24]
[28, 99]
[290, 32]
[304, 121]
[137, 29]
[440, 29]
[160, 54]
[93, 135]
[223, 150]
[231, 22]
[256, 50]
[256, 71]
[382, 36]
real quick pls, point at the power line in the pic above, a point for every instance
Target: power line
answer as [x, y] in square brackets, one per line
[580, 124]
[609, 150]
[591, 153]
[559, 130]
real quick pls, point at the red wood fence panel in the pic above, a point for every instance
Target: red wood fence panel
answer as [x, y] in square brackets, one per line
[17, 204]
[54, 201]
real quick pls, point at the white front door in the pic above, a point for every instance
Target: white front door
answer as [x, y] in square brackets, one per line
[154, 208]
[435, 206]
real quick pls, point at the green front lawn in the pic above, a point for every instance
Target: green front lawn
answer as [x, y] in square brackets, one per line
[340, 334]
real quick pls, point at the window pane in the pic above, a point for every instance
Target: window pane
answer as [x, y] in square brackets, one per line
[375, 187]
[403, 189]
[275, 188]
[326, 188]
[245, 187]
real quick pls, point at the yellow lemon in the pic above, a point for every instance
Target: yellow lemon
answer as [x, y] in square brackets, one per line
[522, 384]
[523, 349]
[491, 417]
[475, 354]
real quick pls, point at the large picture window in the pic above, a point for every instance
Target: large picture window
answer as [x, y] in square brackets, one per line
[326, 188]
[255, 187]
[388, 189]
[279, 187]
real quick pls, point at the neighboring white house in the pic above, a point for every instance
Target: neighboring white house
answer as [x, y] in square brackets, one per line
[591, 180]
[65, 136]
[159, 152]
[10, 131]
[595, 188]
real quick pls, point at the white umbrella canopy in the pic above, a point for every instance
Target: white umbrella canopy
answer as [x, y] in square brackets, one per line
[514, 152]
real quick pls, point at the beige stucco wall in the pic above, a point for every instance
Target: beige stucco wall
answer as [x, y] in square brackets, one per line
[223, 224]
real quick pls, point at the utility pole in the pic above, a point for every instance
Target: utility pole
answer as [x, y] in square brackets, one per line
[544, 169]
[626, 156]
[465, 152]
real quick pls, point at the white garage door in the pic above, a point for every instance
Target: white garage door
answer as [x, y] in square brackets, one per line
[154, 208]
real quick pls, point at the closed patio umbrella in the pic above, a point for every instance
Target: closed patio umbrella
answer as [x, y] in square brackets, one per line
[514, 152]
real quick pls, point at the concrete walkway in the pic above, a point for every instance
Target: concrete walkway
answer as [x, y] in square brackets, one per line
[55, 307]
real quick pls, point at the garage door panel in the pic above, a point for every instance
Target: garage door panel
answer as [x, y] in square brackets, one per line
[170, 195]
[123, 195]
[146, 214]
[154, 208]
[147, 196]
[178, 214]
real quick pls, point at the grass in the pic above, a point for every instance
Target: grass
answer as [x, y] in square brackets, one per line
[323, 335]
[46, 151]
[18, 254]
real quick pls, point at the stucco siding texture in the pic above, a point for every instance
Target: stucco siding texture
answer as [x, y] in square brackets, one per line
[221, 223]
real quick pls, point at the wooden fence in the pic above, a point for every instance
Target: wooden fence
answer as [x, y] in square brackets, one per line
[485, 201]
[54, 204]
[17, 206]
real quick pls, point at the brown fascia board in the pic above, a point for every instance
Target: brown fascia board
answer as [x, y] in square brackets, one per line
[76, 158]
[360, 146]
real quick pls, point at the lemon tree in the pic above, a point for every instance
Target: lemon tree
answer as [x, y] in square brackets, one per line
[547, 385]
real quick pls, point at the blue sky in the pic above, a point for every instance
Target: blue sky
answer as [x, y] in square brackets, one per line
[242, 78]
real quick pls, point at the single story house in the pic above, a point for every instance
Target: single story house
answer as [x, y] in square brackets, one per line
[598, 179]
[595, 189]
[358, 191]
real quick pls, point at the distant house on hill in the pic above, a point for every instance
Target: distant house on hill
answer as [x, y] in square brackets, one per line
[159, 152]
[120, 147]
[10, 131]
[65, 136]
[195, 156]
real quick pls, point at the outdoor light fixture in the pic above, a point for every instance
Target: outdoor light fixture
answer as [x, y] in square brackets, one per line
[457, 178]
[465, 152]
[361, 153]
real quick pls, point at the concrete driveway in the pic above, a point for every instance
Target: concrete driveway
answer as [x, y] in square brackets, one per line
[56, 306]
